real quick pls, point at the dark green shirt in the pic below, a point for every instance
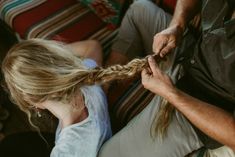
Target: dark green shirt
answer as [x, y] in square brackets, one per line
[209, 60]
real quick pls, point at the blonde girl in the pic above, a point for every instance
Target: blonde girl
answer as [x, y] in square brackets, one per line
[42, 74]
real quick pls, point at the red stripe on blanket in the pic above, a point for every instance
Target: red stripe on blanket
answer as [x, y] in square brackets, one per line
[24, 21]
[82, 29]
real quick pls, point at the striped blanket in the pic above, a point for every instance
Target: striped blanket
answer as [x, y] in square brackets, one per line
[69, 21]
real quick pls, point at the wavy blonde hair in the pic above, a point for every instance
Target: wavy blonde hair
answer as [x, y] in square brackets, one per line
[36, 70]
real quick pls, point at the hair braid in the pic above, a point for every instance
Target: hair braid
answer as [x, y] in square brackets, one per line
[115, 72]
[118, 72]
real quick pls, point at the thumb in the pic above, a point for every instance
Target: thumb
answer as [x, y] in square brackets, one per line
[153, 66]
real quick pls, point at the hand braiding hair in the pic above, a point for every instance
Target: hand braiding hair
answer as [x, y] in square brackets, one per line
[117, 72]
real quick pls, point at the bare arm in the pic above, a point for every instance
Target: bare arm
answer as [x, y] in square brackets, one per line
[88, 49]
[210, 119]
[184, 12]
[166, 40]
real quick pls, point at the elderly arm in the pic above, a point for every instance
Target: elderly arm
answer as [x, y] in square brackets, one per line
[210, 119]
[166, 40]
[184, 12]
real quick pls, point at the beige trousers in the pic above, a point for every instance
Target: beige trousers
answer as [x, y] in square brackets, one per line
[135, 139]
[220, 152]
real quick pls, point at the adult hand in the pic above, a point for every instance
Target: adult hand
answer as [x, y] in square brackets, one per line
[166, 40]
[155, 80]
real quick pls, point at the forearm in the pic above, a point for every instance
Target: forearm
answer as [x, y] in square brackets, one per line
[212, 120]
[185, 10]
[88, 49]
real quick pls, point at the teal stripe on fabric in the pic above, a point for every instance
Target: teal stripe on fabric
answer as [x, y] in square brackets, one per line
[12, 5]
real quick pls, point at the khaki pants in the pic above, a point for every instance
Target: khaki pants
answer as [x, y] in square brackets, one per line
[142, 21]
[223, 151]
[220, 152]
[135, 140]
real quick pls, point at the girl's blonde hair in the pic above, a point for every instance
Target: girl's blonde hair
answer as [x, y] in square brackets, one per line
[36, 70]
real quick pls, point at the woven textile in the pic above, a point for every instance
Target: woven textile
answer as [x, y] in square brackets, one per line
[66, 21]
[52, 19]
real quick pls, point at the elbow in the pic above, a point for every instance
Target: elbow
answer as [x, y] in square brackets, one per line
[232, 139]
[228, 138]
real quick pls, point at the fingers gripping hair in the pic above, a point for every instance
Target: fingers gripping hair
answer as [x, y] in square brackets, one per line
[117, 72]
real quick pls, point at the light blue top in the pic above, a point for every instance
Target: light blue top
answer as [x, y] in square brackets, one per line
[85, 138]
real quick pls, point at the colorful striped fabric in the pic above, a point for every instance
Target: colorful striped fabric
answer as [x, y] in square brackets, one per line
[11, 8]
[69, 21]
[66, 21]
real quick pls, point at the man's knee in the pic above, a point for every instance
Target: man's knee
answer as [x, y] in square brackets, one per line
[142, 4]
[142, 10]
[139, 7]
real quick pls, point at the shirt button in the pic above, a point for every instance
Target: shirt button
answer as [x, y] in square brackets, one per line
[192, 61]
